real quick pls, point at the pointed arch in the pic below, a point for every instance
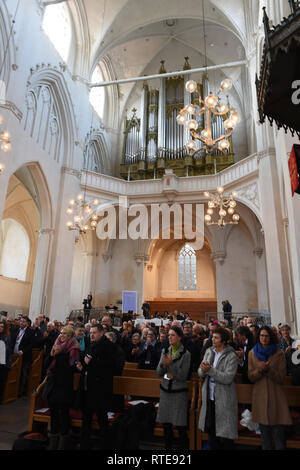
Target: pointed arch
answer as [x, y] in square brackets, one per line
[50, 117]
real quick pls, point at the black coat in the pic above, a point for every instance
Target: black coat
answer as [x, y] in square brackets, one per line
[59, 386]
[26, 344]
[148, 358]
[98, 374]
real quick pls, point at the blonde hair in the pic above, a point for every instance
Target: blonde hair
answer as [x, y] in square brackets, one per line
[68, 330]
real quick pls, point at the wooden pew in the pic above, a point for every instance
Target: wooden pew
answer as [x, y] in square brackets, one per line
[150, 374]
[244, 395]
[11, 389]
[134, 386]
[130, 365]
[35, 373]
[150, 388]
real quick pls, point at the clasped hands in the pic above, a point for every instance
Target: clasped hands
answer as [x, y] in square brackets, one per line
[167, 360]
[205, 366]
[264, 366]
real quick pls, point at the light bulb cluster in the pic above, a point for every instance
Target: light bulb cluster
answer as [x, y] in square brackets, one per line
[5, 143]
[82, 211]
[210, 105]
[225, 205]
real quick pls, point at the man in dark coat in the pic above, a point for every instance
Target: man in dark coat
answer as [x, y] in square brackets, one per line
[149, 354]
[244, 344]
[98, 369]
[227, 309]
[22, 342]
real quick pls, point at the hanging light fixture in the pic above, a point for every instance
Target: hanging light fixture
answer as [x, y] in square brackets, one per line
[225, 205]
[81, 211]
[210, 105]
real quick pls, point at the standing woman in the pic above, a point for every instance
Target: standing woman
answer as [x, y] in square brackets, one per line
[267, 370]
[5, 355]
[219, 410]
[59, 387]
[174, 367]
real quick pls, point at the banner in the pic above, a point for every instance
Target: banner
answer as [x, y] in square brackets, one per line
[129, 299]
[294, 168]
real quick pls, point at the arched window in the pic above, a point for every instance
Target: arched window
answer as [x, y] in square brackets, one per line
[187, 269]
[97, 94]
[57, 26]
[14, 250]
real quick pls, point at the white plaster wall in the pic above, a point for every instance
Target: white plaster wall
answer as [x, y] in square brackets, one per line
[236, 277]
[168, 276]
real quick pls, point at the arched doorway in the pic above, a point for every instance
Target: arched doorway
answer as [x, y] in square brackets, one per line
[179, 278]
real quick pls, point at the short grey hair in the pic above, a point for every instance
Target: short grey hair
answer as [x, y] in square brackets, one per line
[112, 336]
[285, 325]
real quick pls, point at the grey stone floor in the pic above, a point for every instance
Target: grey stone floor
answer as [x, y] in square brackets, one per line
[13, 421]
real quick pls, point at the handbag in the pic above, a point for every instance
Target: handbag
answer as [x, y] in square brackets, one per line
[48, 387]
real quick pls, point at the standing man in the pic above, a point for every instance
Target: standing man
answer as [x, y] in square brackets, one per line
[98, 369]
[146, 310]
[227, 309]
[22, 341]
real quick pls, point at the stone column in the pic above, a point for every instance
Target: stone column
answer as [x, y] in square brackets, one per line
[262, 282]
[4, 180]
[41, 273]
[141, 262]
[276, 258]
[219, 258]
[63, 249]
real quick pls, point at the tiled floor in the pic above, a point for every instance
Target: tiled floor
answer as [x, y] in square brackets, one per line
[13, 421]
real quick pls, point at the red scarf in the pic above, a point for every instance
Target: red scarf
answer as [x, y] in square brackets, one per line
[71, 347]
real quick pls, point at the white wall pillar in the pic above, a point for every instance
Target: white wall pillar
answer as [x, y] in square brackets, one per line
[274, 237]
[58, 305]
[41, 272]
[262, 282]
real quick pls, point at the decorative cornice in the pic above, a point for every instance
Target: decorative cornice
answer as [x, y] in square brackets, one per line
[46, 231]
[71, 171]
[106, 256]
[218, 256]
[266, 153]
[141, 258]
[258, 252]
[12, 108]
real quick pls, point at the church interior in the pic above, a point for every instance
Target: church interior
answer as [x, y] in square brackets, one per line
[105, 103]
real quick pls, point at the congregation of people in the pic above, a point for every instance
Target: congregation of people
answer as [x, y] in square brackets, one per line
[176, 349]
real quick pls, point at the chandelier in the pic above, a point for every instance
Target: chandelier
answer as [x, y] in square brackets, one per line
[5, 143]
[226, 206]
[81, 210]
[209, 106]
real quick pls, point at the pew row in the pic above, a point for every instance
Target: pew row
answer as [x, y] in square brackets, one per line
[141, 387]
[244, 395]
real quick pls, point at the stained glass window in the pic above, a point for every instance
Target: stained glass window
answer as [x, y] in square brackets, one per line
[187, 269]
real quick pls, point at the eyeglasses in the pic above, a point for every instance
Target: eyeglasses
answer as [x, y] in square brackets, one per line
[264, 336]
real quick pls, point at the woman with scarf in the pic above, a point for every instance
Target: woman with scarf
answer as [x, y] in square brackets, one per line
[59, 387]
[174, 367]
[267, 370]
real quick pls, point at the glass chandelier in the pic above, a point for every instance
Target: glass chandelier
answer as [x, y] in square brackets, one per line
[226, 206]
[81, 211]
[5, 144]
[210, 105]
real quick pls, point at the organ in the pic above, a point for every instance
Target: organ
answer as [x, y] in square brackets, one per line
[155, 142]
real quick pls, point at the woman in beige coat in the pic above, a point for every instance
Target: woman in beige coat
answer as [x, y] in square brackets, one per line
[267, 370]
